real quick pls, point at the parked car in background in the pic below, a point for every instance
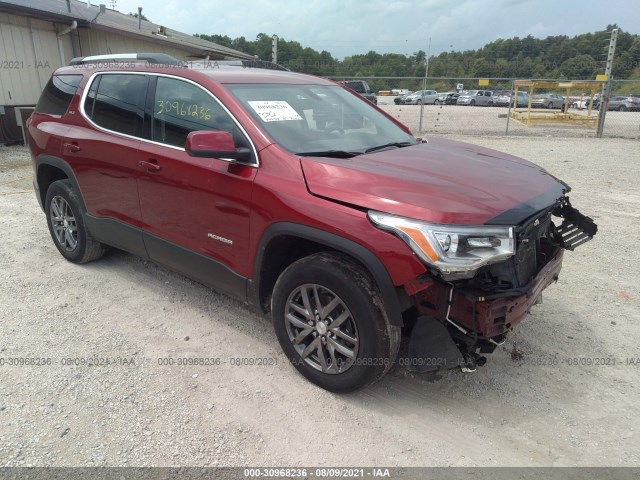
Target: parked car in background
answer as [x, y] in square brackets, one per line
[481, 98]
[580, 104]
[426, 97]
[547, 100]
[400, 100]
[584, 102]
[522, 101]
[501, 98]
[447, 98]
[399, 91]
[362, 88]
[623, 103]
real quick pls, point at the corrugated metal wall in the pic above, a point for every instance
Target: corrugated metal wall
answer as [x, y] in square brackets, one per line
[29, 53]
[99, 42]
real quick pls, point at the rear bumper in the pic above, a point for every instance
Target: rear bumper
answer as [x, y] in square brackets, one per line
[480, 314]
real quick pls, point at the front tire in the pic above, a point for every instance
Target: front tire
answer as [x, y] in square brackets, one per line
[66, 224]
[329, 319]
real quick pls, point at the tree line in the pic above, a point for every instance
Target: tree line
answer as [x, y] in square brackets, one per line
[555, 57]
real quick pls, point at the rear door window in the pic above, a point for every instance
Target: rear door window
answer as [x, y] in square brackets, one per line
[116, 102]
[57, 94]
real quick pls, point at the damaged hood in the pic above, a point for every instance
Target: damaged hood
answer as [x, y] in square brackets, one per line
[442, 181]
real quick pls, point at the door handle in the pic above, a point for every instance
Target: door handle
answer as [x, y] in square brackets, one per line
[72, 147]
[151, 165]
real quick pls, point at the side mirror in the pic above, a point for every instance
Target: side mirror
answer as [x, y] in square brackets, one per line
[214, 144]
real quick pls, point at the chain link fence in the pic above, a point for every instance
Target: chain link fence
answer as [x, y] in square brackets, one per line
[494, 115]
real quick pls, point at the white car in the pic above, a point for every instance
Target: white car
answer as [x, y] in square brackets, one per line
[583, 104]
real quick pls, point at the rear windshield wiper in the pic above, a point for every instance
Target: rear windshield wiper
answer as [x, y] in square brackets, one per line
[330, 153]
[388, 145]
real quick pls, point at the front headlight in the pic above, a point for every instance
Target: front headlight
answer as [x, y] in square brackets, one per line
[458, 251]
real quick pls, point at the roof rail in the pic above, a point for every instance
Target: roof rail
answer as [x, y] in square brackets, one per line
[257, 63]
[159, 58]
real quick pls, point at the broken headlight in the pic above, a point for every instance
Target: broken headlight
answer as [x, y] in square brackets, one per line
[456, 250]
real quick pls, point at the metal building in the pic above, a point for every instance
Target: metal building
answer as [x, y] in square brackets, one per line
[38, 36]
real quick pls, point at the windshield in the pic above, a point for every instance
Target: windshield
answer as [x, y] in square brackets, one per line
[312, 119]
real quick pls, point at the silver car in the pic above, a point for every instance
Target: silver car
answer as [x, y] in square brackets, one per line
[426, 97]
[547, 100]
[623, 103]
[476, 97]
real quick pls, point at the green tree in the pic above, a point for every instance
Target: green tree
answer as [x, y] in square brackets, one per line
[580, 67]
[559, 56]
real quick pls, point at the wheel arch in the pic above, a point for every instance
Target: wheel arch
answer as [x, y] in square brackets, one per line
[283, 243]
[50, 169]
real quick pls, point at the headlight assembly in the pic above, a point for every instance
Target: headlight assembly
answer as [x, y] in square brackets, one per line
[458, 251]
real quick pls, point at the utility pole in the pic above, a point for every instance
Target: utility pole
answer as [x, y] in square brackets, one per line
[274, 49]
[606, 89]
[424, 84]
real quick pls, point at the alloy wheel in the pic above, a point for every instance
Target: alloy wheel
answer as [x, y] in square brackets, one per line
[63, 223]
[321, 329]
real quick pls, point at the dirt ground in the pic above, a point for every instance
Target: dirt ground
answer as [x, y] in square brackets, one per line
[562, 391]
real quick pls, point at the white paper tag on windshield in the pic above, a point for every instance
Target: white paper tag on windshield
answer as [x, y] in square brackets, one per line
[274, 110]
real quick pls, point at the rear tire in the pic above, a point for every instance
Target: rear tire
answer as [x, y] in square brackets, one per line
[66, 224]
[622, 108]
[329, 319]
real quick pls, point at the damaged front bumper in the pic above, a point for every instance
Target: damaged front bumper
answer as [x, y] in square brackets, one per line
[485, 316]
[459, 320]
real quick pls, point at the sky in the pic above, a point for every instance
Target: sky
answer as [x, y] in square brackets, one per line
[348, 27]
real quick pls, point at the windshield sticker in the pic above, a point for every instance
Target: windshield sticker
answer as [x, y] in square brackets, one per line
[274, 111]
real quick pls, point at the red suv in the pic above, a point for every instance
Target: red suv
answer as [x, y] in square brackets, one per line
[299, 197]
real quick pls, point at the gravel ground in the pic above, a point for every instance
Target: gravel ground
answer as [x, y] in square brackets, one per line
[560, 392]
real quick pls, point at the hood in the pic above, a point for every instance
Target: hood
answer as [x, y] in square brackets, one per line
[441, 181]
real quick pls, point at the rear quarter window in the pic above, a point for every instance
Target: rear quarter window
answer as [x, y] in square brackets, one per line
[57, 94]
[116, 102]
